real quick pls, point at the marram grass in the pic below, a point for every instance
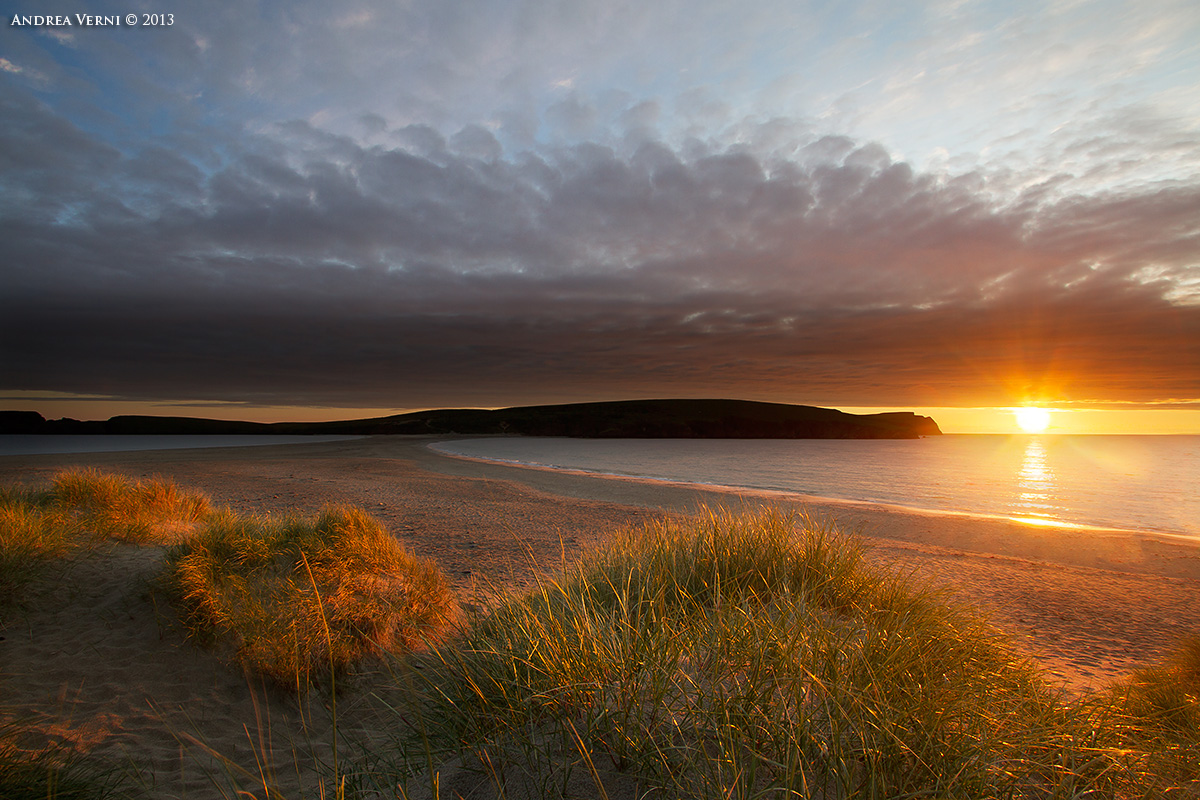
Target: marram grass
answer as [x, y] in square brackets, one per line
[33, 534]
[53, 772]
[759, 656]
[302, 597]
[1154, 718]
[80, 508]
[153, 511]
[731, 656]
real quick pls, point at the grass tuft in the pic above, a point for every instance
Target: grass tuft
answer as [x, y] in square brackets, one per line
[81, 507]
[153, 511]
[33, 534]
[760, 656]
[53, 772]
[303, 597]
[1154, 717]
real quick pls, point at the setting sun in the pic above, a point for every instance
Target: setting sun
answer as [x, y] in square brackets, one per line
[1032, 419]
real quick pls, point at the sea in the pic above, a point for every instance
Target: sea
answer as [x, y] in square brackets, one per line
[19, 444]
[1124, 482]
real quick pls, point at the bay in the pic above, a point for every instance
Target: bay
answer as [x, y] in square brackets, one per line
[1128, 482]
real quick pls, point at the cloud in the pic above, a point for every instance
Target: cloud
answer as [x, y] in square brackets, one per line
[403, 204]
[312, 269]
[475, 141]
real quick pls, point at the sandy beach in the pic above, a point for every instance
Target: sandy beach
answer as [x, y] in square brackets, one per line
[100, 665]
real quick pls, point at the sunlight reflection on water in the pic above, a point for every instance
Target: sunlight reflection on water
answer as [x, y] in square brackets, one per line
[1036, 482]
[1051, 480]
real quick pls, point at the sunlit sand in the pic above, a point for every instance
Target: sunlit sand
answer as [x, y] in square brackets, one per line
[1088, 606]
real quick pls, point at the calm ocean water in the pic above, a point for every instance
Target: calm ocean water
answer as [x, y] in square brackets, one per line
[17, 444]
[1146, 483]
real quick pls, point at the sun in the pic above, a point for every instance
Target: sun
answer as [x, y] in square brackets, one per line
[1032, 419]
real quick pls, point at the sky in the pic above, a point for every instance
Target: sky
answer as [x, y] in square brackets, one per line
[304, 210]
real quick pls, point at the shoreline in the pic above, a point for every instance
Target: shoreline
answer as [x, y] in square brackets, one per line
[784, 495]
[1091, 605]
[95, 664]
[1118, 549]
[790, 497]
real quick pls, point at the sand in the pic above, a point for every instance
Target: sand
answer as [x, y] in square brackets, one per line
[99, 665]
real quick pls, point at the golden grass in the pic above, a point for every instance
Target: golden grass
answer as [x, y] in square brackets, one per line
[81, 507]
[300, 597]
[153, 511]
[33, 534]
[1154, 717]
[759, 656]
[730, 656]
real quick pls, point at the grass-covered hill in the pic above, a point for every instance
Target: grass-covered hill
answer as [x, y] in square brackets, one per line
[651, 419]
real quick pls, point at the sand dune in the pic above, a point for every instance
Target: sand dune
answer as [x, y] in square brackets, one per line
[99, 664]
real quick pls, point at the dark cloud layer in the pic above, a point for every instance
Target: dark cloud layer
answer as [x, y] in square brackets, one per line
[295, 266]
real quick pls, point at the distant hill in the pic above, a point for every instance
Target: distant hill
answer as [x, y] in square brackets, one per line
[632, 419]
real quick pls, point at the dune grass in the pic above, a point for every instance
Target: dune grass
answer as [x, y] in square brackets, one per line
[1154, 718]
[298, 597]
[301, 597]
[153, 511]
[760, 656]
[38, 527]
[53, 772]
[727, 656]
[34, 532]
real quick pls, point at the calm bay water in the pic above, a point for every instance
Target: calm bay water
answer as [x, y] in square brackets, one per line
[18, 444]
[1146, 483]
